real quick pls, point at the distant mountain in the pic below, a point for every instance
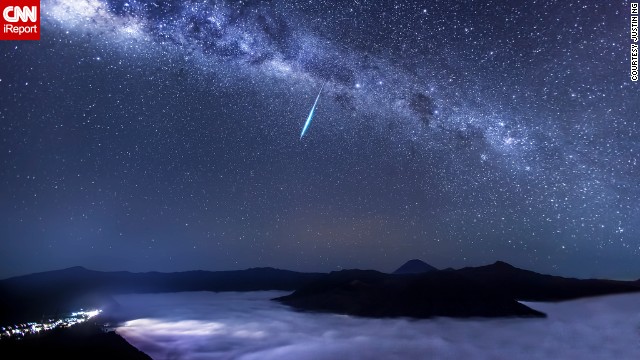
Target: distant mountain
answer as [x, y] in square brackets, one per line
[414, 266]
[485, 291]
[374, 294]
[47, 293]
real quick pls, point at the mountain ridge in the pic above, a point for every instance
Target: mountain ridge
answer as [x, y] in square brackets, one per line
[447, 292]
[492, 290]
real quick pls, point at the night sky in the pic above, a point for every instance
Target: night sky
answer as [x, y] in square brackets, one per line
[165, 135]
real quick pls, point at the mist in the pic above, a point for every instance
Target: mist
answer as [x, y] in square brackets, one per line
[205, 325]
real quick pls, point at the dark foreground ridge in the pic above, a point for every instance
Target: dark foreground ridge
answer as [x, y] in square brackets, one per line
[485, 291]
[83, 341]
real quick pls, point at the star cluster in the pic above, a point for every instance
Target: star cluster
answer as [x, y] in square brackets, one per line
[163, 135]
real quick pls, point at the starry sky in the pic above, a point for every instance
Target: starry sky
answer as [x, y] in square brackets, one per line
[149, 135]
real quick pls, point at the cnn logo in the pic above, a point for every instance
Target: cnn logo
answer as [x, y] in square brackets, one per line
[20, 20]
[16, 13]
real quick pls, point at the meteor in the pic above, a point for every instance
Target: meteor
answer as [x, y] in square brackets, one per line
[310, 117]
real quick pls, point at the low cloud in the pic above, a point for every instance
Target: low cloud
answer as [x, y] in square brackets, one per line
[203, 325]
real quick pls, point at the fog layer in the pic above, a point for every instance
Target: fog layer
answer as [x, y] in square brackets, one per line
[204, 325]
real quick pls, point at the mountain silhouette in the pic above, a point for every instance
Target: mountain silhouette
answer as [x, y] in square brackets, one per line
[528, 285]
[375, 294]
[486, 291]
[415, 290]
[414, 266]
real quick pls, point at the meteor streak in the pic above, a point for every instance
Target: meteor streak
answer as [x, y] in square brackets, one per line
[310, 117]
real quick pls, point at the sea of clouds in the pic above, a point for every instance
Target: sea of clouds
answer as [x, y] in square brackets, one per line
[205, 325]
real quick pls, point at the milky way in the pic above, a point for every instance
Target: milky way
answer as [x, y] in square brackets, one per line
[164, 135]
